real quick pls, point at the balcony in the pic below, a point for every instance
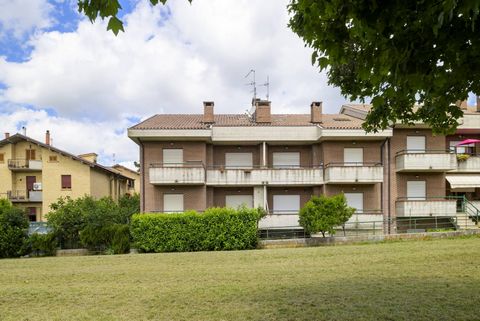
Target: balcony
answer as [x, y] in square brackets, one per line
[468, 165]
[189, 173]
[24, 165]
[426, 207]
[280, 219]
[353, 173]
[258, 176]
[425, 161]
[18, 196]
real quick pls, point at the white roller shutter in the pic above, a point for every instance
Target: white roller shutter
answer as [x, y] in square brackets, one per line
[286, 204]
[416, 144]
[353, 156]
[173, 157]
[172, 203]
[416, 190]
[235, 201]
[355, 200]
[238, 160]
[286, 160]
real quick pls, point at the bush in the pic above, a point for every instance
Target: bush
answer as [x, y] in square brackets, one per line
[120, 242]
[43, 244]
[114, 237]
[322, 214]
[13, 230]
[215, 229]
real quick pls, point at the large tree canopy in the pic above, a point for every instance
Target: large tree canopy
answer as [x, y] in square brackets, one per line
[398, 53]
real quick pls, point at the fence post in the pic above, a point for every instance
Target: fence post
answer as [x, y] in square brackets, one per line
[436, 222]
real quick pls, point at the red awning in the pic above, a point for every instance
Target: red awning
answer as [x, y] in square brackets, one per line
[468, 141]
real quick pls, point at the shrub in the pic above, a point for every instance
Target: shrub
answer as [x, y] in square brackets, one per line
[113, 237]
[13, 230]
[43, 244]
[215, 229]
[322, 214]
[120, 242]
[462, 157]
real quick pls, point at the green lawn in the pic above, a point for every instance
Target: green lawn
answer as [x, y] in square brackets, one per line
[415, 280]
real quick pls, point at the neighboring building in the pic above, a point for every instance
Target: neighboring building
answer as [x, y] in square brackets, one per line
[34, 175]
[133, 183]
[279, 161]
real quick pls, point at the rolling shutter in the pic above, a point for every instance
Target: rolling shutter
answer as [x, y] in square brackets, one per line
[355, 200]
[416, 144]
[235, 201]
[286, 204]
[416, 190]
[353, 156]
[173, 157]
[238, 160]
[286, 160]
[172, 203]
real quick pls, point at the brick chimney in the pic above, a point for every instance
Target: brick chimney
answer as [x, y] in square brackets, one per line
[316, 112]
[263, 111]
[208, 116]
[47, 137]
[462, 104]
[7, 135]
[478, 104]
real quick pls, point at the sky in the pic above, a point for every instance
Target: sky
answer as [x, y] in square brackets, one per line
[60, 72]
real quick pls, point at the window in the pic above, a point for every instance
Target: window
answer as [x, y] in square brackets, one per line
[173, 157]
[353, 156]
[416, 190]
[30, 154]
[355, 200]
[131, 183]
[235, 201]
[172, 203]
[66, 181]
[464, 149]
[2, 157]
[286, 204]
[286, 160]
[238, 160]
[53, 158]
[32, 214]
[416, 144]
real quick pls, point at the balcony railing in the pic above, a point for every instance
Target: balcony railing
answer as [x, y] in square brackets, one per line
[435, 206]
[24, 196]
[425, 160]
[353, 173]
[224, 176]
[188, 173]
[468, 165]
[24, 165]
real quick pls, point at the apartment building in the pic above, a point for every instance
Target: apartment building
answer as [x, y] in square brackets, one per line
[279, 161]
[34, 175]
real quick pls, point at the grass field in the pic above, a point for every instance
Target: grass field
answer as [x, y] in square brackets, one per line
[415, 280]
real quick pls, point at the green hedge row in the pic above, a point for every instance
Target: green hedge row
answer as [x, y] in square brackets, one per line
[215, 229]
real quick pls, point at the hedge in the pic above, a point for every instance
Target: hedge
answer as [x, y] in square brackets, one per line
[215, 229]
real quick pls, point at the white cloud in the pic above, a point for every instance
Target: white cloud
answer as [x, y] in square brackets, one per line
[22, 16]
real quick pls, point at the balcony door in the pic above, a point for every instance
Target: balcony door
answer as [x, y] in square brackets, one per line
[286, 204]
[238, 160]
[173, 157]
[416, 144]
[30, 180]
[286, 160]
[355, 200]
[353, 156]
[236, 201]
[416, 190]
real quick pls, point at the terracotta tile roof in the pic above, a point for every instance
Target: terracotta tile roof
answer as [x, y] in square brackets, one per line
[189, 121]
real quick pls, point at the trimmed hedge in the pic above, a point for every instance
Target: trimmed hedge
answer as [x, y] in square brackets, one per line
[215, 229]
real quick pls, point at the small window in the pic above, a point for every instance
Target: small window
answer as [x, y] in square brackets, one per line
[32, 214]
[173, 203]
[2, 158]
[30, 154]
[66, 181]
[53, 158]
[131, 183]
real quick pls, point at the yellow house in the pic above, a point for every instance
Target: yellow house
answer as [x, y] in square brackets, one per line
[34, 175]
[133, 185]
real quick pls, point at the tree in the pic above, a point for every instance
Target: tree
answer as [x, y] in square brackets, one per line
[399, 53]
[322, 214]
[13, 230]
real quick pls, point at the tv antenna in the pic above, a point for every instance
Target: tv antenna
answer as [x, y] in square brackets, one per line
[267, 84]
[253, 83]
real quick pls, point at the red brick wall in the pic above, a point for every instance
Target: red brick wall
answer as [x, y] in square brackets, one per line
[333, 150]
[219, 194]
[371, 193]
[219, 152]
[304, 150]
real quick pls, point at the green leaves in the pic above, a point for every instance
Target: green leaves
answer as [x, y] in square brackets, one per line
[115, 25]
[413, 59]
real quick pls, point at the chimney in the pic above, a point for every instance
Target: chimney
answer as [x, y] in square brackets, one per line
[478, 104]
[90, 157]
[462, 104]
[316, 112]
[208, 112]
[47, 137]
[263, 111]
[7, 135]
[24, 131]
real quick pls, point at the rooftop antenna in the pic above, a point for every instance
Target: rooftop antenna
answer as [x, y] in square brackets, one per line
[113, 158]
[253, 83]
[267, 84]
